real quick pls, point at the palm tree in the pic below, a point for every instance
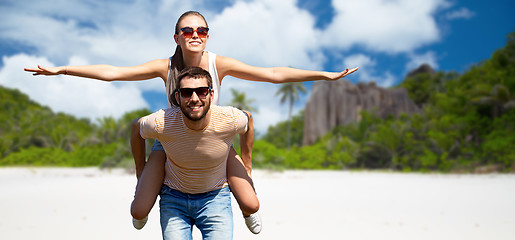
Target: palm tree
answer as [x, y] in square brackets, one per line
[290, 92]
[240, 101]
[108, 130]
[498, 99]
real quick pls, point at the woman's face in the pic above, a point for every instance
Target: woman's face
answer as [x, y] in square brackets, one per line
[192, 42]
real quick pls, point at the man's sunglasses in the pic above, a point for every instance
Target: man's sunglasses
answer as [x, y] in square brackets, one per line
[187, 32]
[201, 92]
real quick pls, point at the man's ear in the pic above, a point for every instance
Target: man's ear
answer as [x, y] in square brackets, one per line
[177, 98]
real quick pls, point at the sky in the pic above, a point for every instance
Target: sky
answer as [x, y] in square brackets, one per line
[385, 38]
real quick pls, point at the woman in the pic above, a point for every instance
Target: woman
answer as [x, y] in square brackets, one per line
[191, 35]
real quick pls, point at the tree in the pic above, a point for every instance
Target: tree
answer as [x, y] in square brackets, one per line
[240, 101]
[290, 92]
[499, 100]
[277, 135]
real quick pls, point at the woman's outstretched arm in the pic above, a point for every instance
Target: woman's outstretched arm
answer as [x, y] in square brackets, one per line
[149, 70]
[229, 66]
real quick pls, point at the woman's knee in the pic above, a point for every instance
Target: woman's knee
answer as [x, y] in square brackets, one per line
[138, 211]
[249, 206]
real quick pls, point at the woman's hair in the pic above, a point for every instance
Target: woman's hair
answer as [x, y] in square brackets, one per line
[177, 64]
[185, 15]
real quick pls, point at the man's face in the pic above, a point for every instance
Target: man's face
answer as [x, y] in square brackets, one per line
[194, 98]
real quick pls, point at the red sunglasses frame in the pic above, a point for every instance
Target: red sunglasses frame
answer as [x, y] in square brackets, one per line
[202, 32]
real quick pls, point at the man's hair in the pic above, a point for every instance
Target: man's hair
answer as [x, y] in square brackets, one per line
[195, 73]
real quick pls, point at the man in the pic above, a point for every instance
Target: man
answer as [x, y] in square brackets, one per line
[196, 137]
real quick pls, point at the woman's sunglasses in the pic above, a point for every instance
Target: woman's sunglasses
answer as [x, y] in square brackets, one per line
[201, 92]
[187, 32]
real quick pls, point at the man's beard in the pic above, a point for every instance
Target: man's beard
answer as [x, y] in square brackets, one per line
[205, 108]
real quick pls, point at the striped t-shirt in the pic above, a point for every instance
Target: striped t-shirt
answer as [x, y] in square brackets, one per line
[196, 159]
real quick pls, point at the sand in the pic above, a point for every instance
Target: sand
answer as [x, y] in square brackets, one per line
[88, 203]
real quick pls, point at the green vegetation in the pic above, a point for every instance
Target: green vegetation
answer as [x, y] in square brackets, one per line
[33, 135]
[467, 124]
[289, 92]
[240, 101]
[278, 135]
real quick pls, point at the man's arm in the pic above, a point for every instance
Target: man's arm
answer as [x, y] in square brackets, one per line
[246, 144]
[137, 147]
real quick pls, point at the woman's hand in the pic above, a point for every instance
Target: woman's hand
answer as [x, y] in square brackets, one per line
[48, 71]
[336, 76]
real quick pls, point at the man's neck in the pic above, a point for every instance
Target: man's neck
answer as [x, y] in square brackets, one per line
[197, 125]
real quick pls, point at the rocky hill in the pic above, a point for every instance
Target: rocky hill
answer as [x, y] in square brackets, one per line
[340, 102]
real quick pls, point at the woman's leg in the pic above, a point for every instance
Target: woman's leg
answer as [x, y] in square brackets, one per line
[149, 185]
[241, 184]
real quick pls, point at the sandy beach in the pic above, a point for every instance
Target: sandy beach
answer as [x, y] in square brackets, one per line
[88, 203]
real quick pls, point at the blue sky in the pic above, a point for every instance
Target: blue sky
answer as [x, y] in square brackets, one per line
[385, 38]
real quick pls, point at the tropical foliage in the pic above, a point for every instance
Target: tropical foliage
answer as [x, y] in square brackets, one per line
[32, 134]
[240, 101]
[467, 124]
[278, 134]
[289, 93]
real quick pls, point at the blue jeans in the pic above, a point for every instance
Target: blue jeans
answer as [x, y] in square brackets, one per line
[157, 146]
[211, 212]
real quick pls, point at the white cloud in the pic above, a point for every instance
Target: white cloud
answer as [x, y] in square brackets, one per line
[257, 32]
[101, 33]
[462, 13]
[415, 60]
[383, 26]
[359, 60]
[270, 111]
[367, 70]
[387, 80]
[82, 98]
[267, 33]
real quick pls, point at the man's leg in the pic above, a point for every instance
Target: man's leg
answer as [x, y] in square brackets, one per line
[176, 224]
[214, 215]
